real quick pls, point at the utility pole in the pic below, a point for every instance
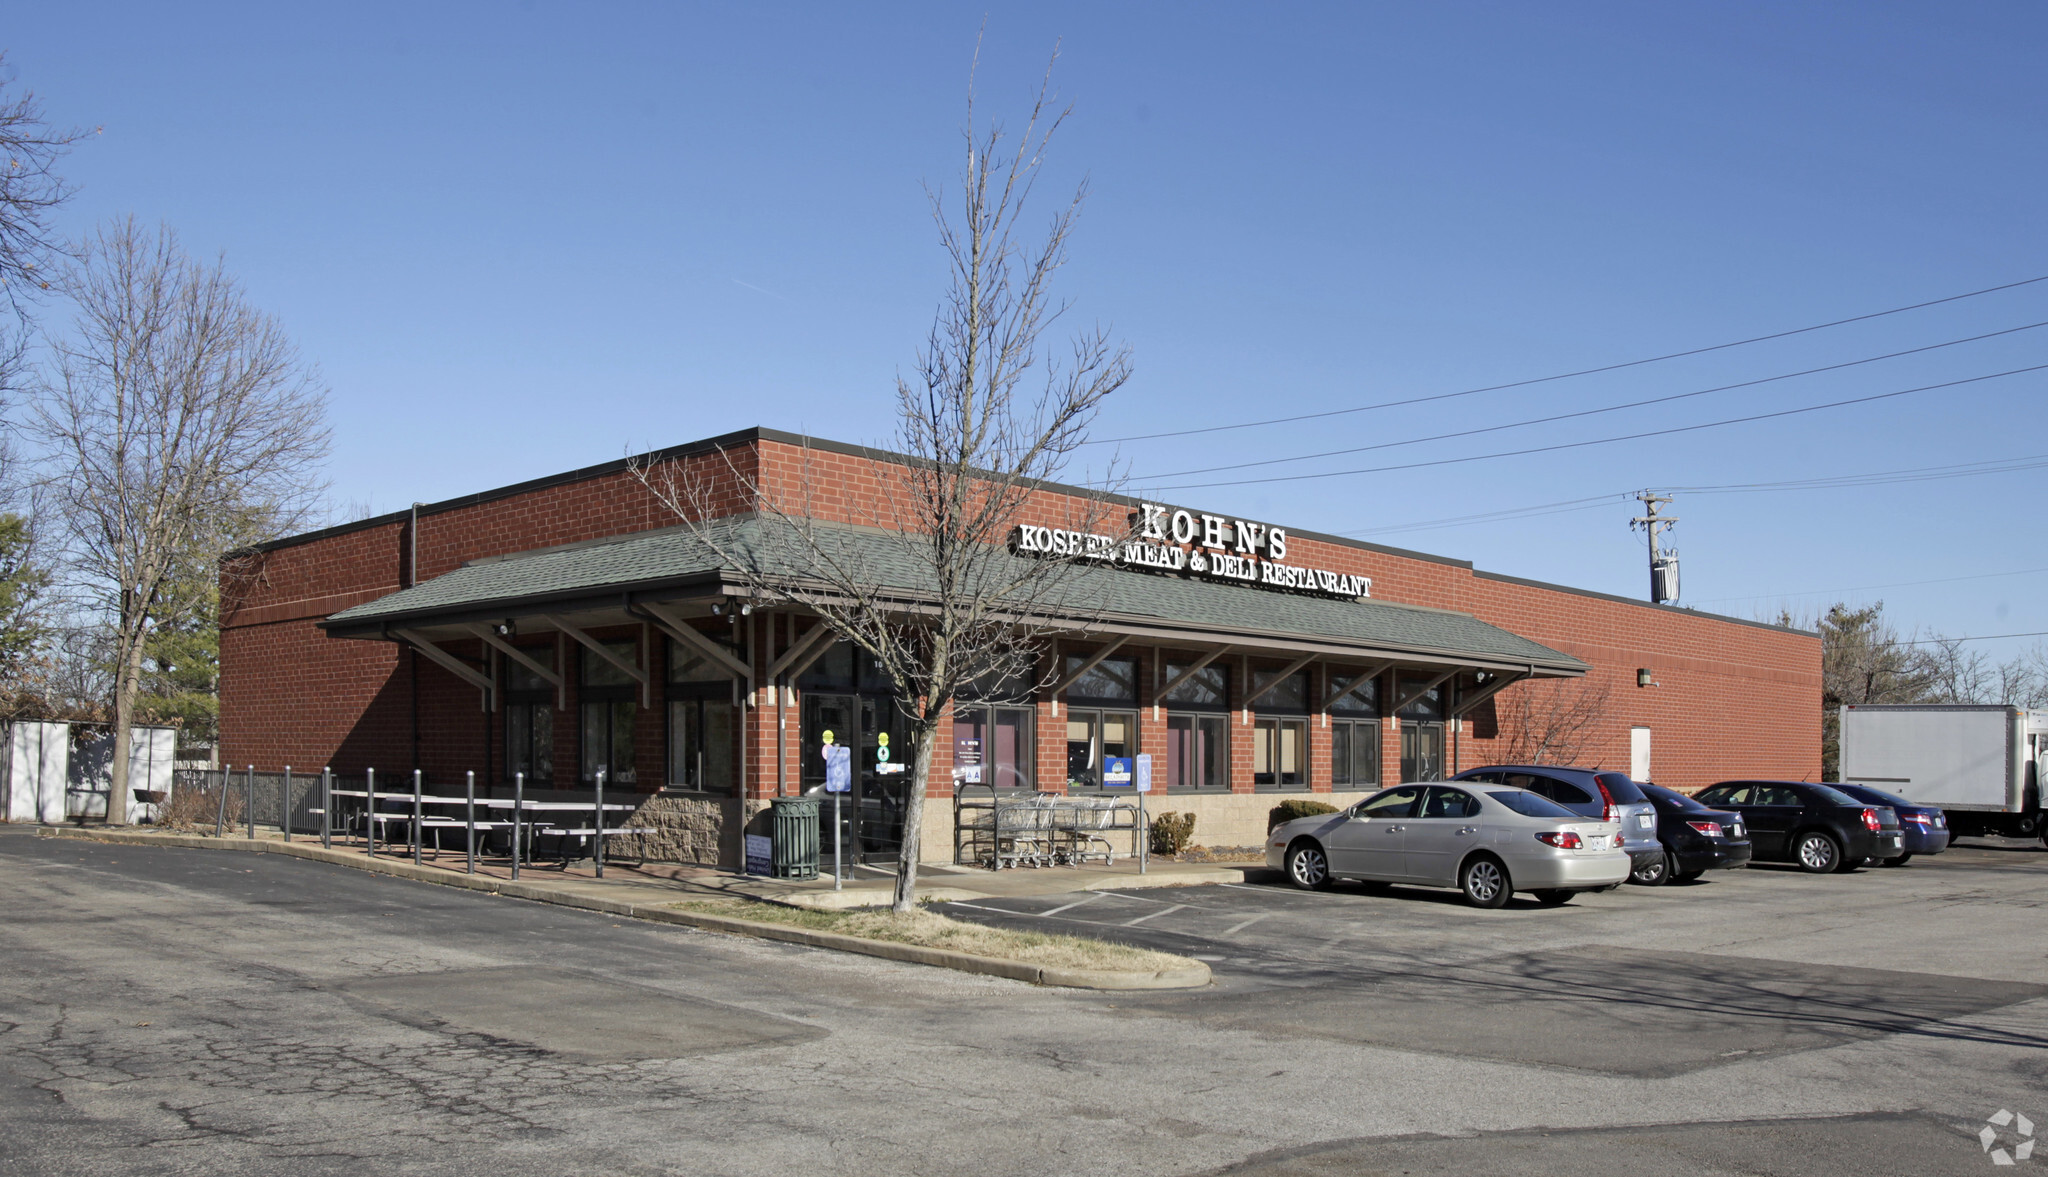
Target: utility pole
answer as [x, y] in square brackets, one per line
[1663, 561]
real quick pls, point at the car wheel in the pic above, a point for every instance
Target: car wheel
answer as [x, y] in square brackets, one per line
[1485, 882]
[1686, 876]
[1817, 853]
[1901, 860]
[1653, 874]
[1553, 898]
[1307, 866]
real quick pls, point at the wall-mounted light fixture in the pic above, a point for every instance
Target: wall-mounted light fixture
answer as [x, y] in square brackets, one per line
[1643, 679]
[504, 629]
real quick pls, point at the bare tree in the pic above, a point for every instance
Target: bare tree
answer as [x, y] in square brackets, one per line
[1552, 722]
[30, 192]
[179, 423]
[987, 413]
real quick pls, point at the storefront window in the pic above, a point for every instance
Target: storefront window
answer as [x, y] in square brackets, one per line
[1288, 694]
[1197, 751]
[530, 717]
[1431, 703]
[1354, 732]
[1207, 687]
[607, 740]
[1280, 753]
[700, 719]
[1112, 680]
[1092, 735]
[992, 746]
[609, 708]
[1422, 751]
[1355, 752]
[700, 744]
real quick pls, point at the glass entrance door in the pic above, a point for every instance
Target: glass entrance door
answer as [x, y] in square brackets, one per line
[871, 816]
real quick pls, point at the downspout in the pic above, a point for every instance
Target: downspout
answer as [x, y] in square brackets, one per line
[412, 577]
[781, 711]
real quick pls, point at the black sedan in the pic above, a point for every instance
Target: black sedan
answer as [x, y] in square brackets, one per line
[1925, 826]
[1817, 827]
[1696, 839]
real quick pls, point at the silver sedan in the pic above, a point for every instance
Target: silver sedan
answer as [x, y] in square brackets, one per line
[1488, 841]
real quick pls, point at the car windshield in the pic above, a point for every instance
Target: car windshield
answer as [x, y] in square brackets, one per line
[1830, 796]
[1673, 798]
[1623, 789]
[1529, 804]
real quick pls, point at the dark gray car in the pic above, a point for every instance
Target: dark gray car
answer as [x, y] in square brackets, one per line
[1603, 796]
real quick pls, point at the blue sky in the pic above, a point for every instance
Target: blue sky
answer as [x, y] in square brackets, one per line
[518, 239]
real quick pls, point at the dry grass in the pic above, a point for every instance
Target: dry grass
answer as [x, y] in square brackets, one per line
[928, 929]
[1226, 854]
[193, 811]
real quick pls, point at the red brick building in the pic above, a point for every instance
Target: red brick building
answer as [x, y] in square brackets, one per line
[569, 624]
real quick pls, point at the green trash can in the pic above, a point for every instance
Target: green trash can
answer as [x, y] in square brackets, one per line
[796, 837]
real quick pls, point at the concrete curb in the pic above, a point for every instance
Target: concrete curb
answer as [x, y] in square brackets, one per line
[1194, 976]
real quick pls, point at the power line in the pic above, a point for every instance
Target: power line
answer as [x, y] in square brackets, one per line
[1569, 445]
[1655, 400]
[1830, 482]
[1676, 355]
[1982, 637]
[1868, 587]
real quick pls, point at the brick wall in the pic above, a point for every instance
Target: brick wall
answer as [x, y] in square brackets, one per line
[1732, 698]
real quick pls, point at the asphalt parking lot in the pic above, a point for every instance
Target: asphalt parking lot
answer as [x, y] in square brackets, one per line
[183, 1011]
[1741, 965]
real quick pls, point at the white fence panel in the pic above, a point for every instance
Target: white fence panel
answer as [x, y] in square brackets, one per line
[37, 770]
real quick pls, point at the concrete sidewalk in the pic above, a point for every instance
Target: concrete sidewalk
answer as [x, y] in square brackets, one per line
[662, 883]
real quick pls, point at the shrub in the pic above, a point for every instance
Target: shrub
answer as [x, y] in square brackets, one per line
[1287, 811]
[1171, 832]
[193, 810]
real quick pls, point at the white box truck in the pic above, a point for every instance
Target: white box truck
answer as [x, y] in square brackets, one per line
[1981, 764]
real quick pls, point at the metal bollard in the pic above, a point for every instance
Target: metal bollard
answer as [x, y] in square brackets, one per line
[249, 817]
[370, 814]
[327, 808]
[416, 838]
[220, 816]
[471, 841]
[518, 816]
[284, 803]
[597, 826]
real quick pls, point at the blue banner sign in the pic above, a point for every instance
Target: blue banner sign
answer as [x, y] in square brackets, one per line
[1116, 772]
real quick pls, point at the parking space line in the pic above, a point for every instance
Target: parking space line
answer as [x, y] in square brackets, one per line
[1234, 929]
[1164, 911]
[1092, 897]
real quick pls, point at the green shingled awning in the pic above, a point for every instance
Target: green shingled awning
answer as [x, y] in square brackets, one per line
[676, 562]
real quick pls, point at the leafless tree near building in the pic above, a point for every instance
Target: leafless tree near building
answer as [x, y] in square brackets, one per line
[987, 413]
[178, 422]
[30, 193]
[1551, 722]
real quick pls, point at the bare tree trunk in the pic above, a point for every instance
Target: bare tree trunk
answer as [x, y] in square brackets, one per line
[924, 734]
[127, 683]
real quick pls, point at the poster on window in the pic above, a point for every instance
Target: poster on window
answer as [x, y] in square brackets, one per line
[967, 760]
[1117, 772]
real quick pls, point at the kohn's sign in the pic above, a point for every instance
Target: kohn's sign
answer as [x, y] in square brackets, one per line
[1209, 547]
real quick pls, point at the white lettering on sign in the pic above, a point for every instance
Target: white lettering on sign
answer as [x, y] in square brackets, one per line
[1234, 551]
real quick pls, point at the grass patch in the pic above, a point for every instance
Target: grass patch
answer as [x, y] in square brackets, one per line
[929, 929]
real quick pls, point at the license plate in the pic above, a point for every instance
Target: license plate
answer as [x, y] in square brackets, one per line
[1643, 820]
[1735, 831]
